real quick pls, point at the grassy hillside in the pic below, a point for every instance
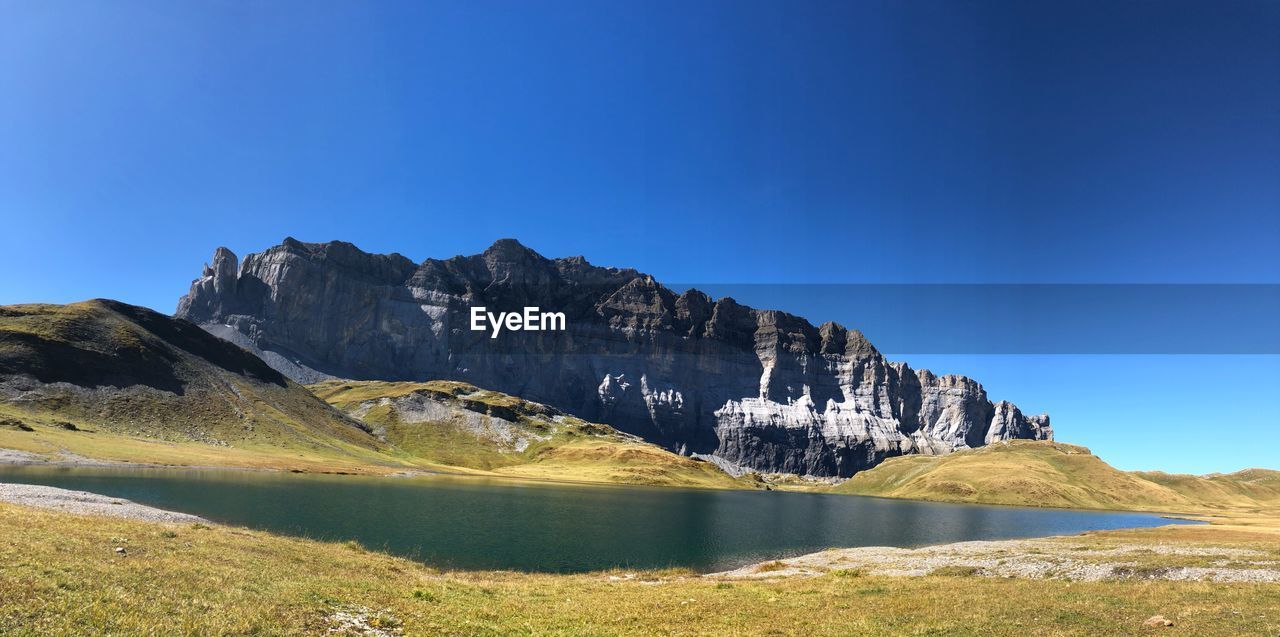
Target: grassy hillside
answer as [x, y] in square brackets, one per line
[461, 425]
[110, 380]
[1039, 473]
[1244, 489]
[60, 575]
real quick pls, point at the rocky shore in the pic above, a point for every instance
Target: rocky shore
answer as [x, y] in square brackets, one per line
[1063, 558]
[85, 503]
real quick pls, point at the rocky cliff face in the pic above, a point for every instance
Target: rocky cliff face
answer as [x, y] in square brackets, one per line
[745, 388]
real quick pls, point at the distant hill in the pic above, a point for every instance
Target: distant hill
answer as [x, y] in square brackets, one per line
[458, 424]
[1247, 488]
[1038, 473]
[99, 373]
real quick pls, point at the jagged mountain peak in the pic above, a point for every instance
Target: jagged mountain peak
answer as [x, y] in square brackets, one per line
[511, 250]
[749, 388]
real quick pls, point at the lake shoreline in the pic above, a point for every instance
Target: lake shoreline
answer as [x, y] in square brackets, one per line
[88, 503]
[644, 527]
[67, 459]
[1063, 557]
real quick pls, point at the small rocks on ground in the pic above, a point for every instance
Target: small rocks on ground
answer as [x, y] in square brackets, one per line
[359, 621]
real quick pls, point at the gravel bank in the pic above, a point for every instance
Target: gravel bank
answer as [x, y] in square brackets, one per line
[1030, 559]
[13, 456]
[60, 459]
[87, 503]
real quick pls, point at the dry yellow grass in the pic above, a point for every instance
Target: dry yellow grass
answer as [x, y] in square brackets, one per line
[59, 575]
[51, 443]
[623, 462]
[579, 459]
[1031, 473]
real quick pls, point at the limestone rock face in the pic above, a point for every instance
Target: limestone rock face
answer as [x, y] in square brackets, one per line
[749, 389]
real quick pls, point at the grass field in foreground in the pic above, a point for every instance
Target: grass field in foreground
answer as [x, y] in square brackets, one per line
[60, 575]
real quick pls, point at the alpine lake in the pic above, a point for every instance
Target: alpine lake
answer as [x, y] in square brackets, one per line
[477, 523]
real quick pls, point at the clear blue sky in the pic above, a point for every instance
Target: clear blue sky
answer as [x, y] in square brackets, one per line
[736, 141]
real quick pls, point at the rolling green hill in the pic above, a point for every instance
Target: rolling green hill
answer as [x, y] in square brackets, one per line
[457, 424]
[114, 381]
[1040, 473]
[1247, 488]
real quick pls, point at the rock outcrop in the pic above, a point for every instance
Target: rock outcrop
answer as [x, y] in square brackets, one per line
[748, 389]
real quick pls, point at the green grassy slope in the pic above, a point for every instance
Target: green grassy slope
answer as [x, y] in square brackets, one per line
[111, 380]
[1039, 473]
[458, 424]
[1248, 488]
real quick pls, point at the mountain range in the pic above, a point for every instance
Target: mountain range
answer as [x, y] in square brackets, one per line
[104, 381]
[747, 389]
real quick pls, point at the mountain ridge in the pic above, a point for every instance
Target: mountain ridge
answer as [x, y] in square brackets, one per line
[750, 389]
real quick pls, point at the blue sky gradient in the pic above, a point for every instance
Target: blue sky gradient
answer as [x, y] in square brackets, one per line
[736, 142]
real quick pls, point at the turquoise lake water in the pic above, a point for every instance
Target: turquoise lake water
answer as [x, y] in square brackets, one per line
[474, 523]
